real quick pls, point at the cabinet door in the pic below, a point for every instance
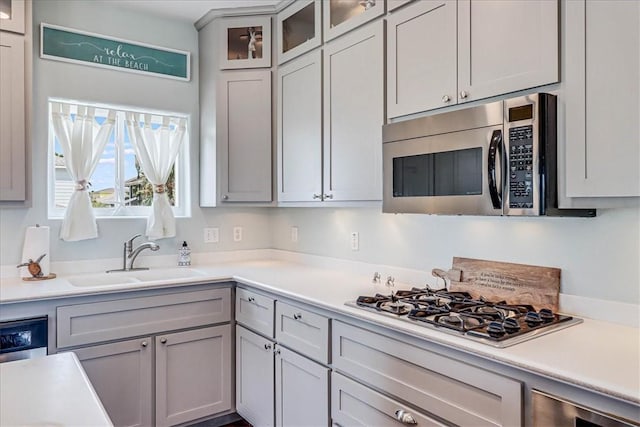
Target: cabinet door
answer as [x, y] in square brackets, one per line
[342, 16]
[12, 117]
[15, 16]
[505, 46]
[298, 28]
[300, 129]
[603, 99]
[244, 136]
[352, 124]
[121, 374]
[193, 374]
[255, 311]
[302, 391]
[421, 60]
[254, 378]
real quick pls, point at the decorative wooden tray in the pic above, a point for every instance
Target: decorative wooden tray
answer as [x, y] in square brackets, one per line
[35, 279]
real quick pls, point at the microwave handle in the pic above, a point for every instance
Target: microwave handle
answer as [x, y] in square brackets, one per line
[495, 146]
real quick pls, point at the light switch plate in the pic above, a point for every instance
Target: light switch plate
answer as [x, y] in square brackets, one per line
[211, 235]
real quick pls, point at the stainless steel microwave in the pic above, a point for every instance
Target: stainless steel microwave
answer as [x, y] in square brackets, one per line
[493, 159]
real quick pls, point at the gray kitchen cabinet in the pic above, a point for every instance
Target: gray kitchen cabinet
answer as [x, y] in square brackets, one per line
[244, 136]
[302, 391]
[298, 29]
[299, 129]
[192, 377]
[122, 375]
[444, 52]
[254, 377]
[602, 85]
[343, 16]
[14, 12]
[255, 311]
[303, 331]
[13, 107]
[421, 60]
[353, 404]
[459, 393]
[352, 149]
[193, 374]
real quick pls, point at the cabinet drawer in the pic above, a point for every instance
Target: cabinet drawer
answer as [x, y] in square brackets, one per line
[255, 311]
[353, 404]
[457, 392]
[110, 320]
[303, 331]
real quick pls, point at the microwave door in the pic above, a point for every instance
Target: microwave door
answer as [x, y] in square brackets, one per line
[440, 174]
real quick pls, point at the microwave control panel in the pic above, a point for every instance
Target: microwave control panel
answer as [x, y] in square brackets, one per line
[521, 167]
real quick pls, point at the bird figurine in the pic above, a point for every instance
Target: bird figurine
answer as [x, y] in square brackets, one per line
[34, 266]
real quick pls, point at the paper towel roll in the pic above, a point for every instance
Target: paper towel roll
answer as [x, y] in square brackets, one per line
[36, 243]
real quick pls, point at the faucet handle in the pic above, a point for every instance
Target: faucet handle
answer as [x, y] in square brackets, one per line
[129, 243]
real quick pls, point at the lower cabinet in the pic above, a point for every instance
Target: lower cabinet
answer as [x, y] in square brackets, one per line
[192, 376]
[353, 404]
[302, 391]
[254, 378]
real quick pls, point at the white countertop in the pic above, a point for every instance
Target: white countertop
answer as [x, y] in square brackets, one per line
[569, 355]
[48, 391]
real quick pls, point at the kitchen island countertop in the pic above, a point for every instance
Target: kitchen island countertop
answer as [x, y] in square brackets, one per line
[49, 391]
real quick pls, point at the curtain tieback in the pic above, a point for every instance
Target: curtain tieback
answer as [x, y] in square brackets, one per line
[159, 188]
[81, 185]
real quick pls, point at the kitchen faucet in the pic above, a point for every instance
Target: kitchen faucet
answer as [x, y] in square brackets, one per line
[132, 254]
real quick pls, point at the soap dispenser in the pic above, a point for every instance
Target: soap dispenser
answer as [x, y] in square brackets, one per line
[184, 255]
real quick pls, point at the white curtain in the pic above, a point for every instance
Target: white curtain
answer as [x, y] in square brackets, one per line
[157, 150]
[82, 140]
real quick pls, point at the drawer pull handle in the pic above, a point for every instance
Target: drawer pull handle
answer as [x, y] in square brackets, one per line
[277, 351]
[405, 417]
[297, 316]
[143, 343]
[267, 346]
[163, 340]
[251, 299]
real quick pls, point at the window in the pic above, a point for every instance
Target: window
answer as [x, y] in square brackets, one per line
[118, 186]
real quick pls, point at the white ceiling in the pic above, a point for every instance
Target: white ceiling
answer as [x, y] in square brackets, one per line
[189, 10]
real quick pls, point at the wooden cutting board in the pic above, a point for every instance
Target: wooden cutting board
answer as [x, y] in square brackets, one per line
[514, 283]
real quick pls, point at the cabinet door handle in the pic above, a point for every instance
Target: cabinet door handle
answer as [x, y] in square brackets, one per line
[267, 346]
[317, 196]
[463, 94]
[297, 316]
[277, 351]
[405, 417]
[251, 299]
[163, 340]
[446, 98]
[225, 197]
[327, 196]
[144, 343]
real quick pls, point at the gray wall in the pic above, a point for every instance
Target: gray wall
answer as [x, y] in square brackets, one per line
[70, 81]
[599, 257]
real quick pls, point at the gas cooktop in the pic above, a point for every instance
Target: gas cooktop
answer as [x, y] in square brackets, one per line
[496, 323]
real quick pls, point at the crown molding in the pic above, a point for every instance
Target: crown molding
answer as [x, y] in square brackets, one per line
[240, 11]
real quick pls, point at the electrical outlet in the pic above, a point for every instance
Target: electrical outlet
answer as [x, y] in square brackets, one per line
[211, 235]
[294, 234]
[237, 234]
[355, 241]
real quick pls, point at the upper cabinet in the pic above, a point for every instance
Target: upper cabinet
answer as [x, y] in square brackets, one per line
[299, 29]
[341, 16]
[245, 42]
[602, 100]
[443, 52]
[15, 87]
[12, 16]
[244, 136]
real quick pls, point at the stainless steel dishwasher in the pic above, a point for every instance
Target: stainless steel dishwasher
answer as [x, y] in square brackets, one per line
[23, 338]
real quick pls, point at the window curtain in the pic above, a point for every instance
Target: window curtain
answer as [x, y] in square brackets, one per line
[82, 140]
[157, 150]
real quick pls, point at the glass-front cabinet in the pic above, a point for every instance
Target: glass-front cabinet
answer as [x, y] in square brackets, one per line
[345, 15]
[12, 16]
[299, 29]
[245, 42]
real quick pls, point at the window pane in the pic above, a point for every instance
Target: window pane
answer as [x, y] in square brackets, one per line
[103, 181]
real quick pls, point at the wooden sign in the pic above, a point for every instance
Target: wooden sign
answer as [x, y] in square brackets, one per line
[80, 47]
[514, 283]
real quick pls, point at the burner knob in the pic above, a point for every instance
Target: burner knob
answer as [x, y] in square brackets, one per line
[546, 315]
[496, 330]
[532, 318]
[511, 325]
